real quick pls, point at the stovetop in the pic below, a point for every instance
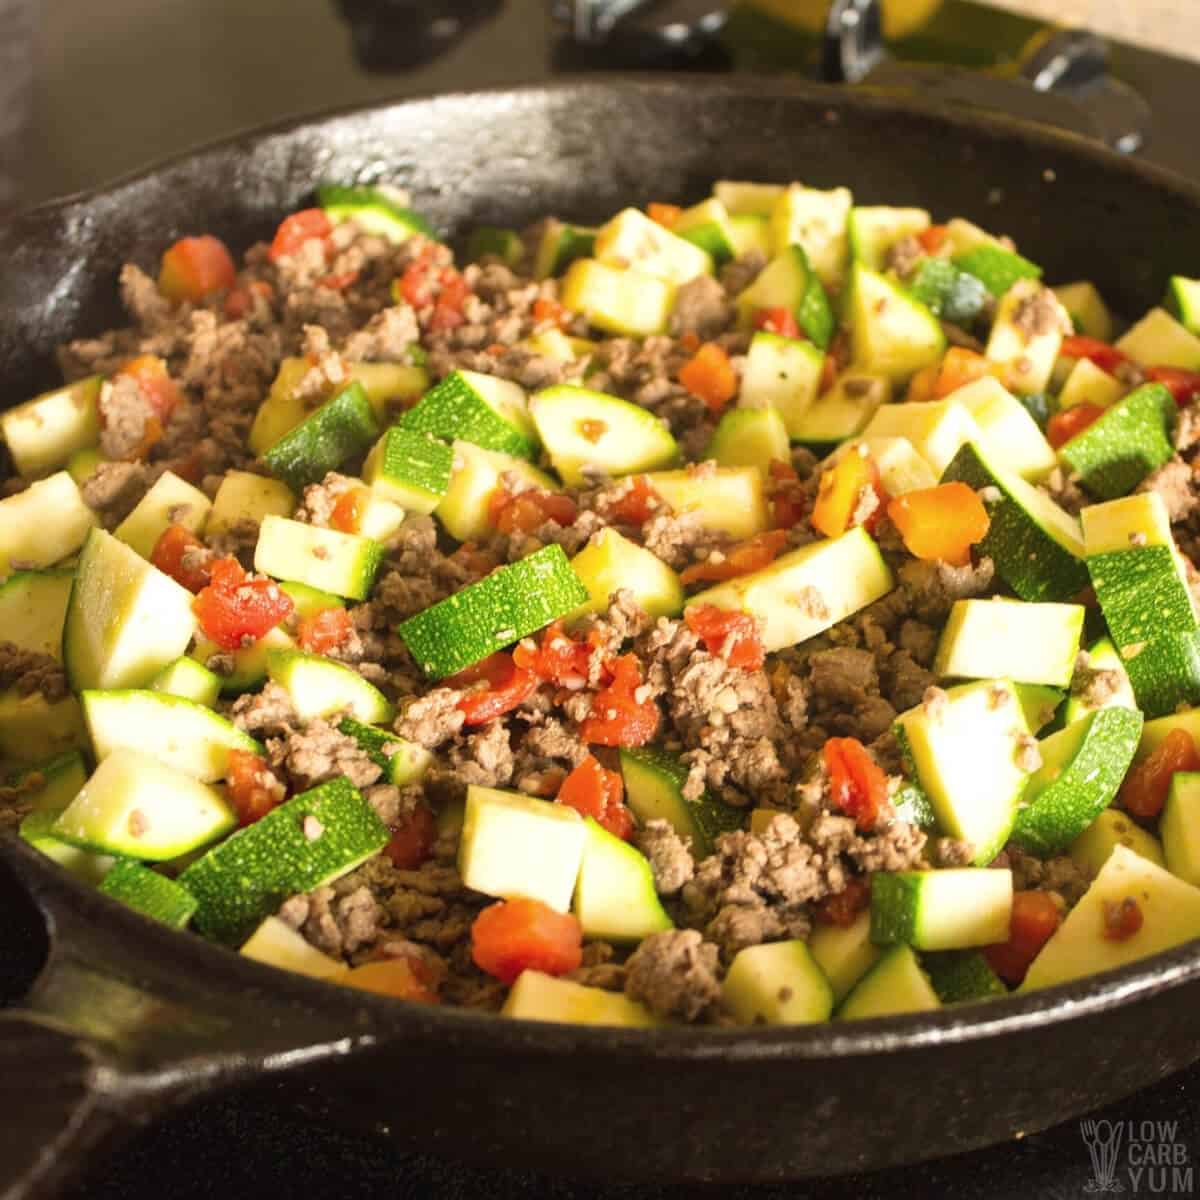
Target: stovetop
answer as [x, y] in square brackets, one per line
[120, 84]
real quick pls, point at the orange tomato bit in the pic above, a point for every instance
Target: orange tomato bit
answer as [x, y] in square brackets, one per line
[1065, 425]
[195, 267]
[750, 555]
[665, 214]
[1144, 791]
[941, 522]
[960, 367]
[709, 375]
[840, 490]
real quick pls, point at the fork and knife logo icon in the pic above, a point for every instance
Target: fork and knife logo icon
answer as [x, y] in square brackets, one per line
[1103, 1140]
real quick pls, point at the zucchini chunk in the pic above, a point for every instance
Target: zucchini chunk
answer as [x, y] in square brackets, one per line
[43, 524]
[742, 199]
[279, 945]
[777, 983]
[474, 477]
[248, 670]
[372, 209]
[1158, 340]
[789, 281]
[631, 240]
[818, 222]
[623, 302]
[1082, 768]
[611, 561]
[996, 268]
[125, 620]
[403, 762]
[1028, 344]
[951, 909]
[171, 501]
[81, 864]
[964, 746]
[514, 845]
[342, 428]
[560, 245]
[504, 244]
[806, 591]
[960, 976]
[539, 997]
[895, 984]
[43, 433]
[410, 468]
[1102, 656]
[189, 679]
[305, 842]
[875, 230]
[581, 428]
[615, 898]
[318, 686]
[892, 333]
[57, 781]
[500, 609]
[149, 893]
[1030, 643]
[937, 429]
[243, 497]
[1119, 449]
[1169, 908]
[178, 733]
[342, 563]
[843, 411]
[33, 608]
[1088, 384]
[1183, 302]
[750, 437]
[33, 728]
[136, 807]
[654, 783]
[708, 226]
[484, 409]
[1036, 546]
[1086, 308]
[1007, 431]
[901, 468]
[1181, 827]
[845, 953]
[722, 499]
[1112, 828]
[781, 374]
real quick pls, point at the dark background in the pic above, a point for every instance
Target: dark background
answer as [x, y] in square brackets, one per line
[110, 85]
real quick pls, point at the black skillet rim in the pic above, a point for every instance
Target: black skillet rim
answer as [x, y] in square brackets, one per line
[370, 1020]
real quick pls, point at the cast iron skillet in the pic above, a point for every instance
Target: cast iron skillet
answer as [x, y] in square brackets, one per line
[127, 1018]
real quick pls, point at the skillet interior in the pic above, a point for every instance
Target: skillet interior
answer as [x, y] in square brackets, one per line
[762, 1105]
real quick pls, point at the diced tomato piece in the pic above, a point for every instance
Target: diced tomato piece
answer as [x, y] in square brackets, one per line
[349, 509]
[159, 389]
[1183, 385]
[733, 635]
[923, 385]
[709, 375]
[1122, 919]
[1144, 791]
[413, 839]
[857, 785]
[324, 630]
[1101, 354]
[520, 935]
[527, 510]
[941, 522]
[235, 610]
[596, 792]
[251, 786]
[195, 267]
[665, 214]
[505, 687]
[241, 299]
[415, 285]
[545, 309]
[789, 502]
[399, 978]
[618, 716]
[1035, 917]
[557, 659]
[841, 492]
[960, 367]
[933, 238]
[689, 341]
[297, 229]
[1065, 425]
[781, 321]
[637, 503]
[750, 555]
[842, 908]
[171, 556]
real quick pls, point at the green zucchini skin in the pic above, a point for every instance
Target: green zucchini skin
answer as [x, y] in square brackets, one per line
[340, 429]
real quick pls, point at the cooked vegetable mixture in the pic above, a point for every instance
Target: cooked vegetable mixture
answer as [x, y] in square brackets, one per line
[766, 611]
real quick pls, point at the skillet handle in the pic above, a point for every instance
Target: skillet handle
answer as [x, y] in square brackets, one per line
[60, 1102]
